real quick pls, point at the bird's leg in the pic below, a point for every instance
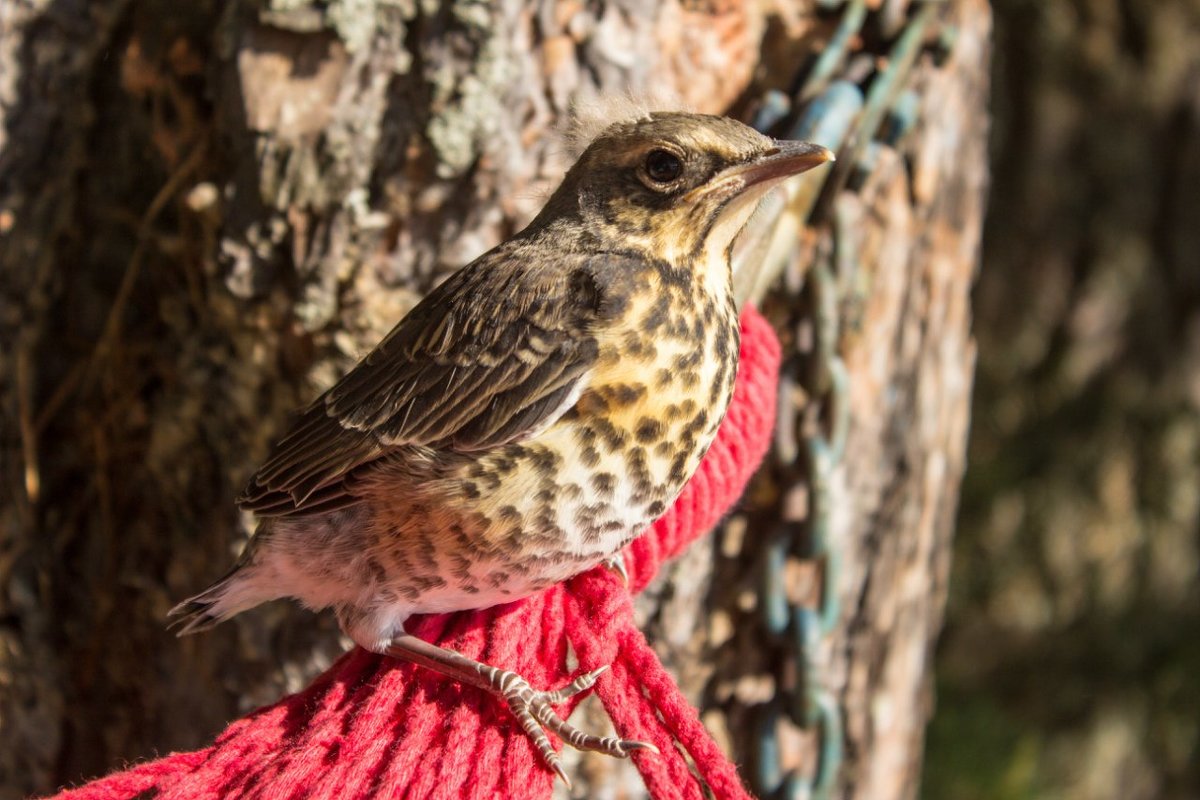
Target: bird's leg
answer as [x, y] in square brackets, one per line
[532, 708]
[617, 564]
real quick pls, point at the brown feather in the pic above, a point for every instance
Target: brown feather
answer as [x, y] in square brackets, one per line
[484, 360]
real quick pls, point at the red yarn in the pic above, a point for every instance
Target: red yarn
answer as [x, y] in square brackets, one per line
[372, 726]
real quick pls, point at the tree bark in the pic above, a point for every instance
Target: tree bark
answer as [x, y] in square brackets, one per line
[917, 225]
[208, 211]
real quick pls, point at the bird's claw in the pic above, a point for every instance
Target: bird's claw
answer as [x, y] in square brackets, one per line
[535, 712]
[617, 565]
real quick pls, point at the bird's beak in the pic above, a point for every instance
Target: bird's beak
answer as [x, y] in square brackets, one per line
[786, 158]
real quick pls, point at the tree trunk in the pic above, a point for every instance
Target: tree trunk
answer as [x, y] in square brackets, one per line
[209, 210]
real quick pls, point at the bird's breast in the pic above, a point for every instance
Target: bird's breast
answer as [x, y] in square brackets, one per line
[615, 461]
[511, 521]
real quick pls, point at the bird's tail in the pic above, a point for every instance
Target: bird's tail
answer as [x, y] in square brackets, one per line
[234, 593]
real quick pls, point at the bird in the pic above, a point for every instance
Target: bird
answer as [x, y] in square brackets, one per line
[526, 420]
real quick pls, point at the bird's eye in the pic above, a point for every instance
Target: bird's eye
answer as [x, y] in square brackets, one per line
[663, 166]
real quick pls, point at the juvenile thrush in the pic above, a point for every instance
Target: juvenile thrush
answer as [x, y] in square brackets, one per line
[527, 419]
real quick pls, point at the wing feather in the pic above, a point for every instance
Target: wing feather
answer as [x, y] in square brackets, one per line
[490, 356]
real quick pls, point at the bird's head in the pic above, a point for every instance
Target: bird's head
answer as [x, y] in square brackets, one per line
[675, 185]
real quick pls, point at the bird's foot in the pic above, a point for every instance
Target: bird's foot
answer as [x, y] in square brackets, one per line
[617, 565]
[533, 709]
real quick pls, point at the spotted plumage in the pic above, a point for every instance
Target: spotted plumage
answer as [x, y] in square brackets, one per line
[531, 416]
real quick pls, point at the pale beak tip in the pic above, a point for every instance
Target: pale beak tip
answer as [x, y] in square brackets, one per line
[825, 154]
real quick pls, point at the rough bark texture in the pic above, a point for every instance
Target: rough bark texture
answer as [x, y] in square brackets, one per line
[910, 358]
[1069, 665]
[209, 210]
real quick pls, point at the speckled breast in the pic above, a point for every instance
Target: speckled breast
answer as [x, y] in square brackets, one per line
[538, 512]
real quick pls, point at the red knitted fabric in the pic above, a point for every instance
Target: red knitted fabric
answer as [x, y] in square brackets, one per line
[377, 727]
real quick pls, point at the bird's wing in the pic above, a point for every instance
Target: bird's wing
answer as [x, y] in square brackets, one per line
[493, 354]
